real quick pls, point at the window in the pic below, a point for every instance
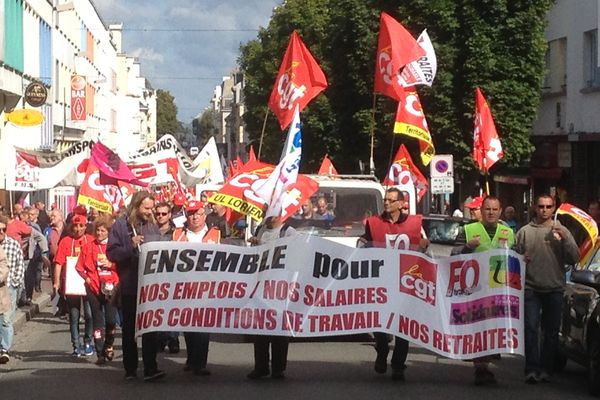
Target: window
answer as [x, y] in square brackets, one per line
[556, 66]
[591, 73]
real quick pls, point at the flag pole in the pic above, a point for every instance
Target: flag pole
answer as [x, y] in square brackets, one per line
[485, 176]
[371, 160]
[262, 134]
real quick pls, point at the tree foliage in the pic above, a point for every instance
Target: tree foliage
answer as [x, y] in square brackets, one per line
[206, 126]
[497, 45]
[166, 114]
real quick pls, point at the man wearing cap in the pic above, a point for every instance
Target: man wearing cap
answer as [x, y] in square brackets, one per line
[195, 230]
[474, 207]
[16, 266]
[486, 234]
[177, 214]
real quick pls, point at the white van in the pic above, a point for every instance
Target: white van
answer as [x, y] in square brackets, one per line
[350, 199]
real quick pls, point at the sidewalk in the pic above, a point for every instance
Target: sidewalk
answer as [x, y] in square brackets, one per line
[38, 304]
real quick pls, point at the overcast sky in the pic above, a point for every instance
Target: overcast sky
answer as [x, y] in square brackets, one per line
[187, 63]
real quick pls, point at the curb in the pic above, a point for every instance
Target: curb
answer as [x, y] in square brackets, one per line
[24, 314]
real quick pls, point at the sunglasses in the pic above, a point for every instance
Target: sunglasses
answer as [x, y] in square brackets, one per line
[390, 200]
[546, 206]
[3, 229]
[162, 214]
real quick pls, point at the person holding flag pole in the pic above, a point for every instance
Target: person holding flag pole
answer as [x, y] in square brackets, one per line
[548, 247]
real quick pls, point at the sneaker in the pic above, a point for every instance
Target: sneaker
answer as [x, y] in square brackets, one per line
[484, 377]
[201, 372]
[4, 357]
[109, 353]
[154, 376]
[173, 347]
[88, 349]
[381, 365]
[545, 377]
[256, 374]
[531, 378]
[398, 375]
[130, 376]
[76, 352]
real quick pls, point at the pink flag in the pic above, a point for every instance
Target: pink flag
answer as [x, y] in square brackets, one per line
[112, 168]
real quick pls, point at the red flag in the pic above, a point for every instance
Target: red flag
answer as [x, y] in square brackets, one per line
[251, 155]
[403, 171]
[327, 167]
[410, 121]
[299, 80]
[396, 48]
[111, 167]
[487, 148]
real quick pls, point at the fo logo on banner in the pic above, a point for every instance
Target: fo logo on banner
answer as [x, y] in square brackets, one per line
[418, 278]
[505, 271]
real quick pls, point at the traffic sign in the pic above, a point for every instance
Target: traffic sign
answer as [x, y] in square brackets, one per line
[442, 185]
[442, 165]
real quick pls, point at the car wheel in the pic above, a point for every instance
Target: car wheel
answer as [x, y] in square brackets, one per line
[594, 367]
[560, 361]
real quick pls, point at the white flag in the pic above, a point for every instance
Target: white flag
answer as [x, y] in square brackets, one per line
[274, 190]
[208, 160]
[422, 71]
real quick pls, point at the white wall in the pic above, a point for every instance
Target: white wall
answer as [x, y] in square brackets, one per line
[571, 19]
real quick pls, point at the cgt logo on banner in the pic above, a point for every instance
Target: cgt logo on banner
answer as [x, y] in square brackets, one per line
[418, 278]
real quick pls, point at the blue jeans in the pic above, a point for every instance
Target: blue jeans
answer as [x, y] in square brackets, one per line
[545, 309]
[74, 306]
[6, 321]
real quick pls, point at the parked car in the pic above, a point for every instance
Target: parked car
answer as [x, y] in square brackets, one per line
[444, 232]
[580, 328]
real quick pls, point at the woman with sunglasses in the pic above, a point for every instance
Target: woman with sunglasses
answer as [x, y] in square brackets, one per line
[101, 282]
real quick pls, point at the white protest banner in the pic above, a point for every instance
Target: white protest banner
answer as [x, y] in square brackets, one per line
[33, 170]
[461, 307]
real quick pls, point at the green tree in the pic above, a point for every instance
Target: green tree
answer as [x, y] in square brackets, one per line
[166, 114]
[205, 126]
[496, 45]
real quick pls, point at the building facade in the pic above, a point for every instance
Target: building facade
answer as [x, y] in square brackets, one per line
[66, 46]
[566, 133]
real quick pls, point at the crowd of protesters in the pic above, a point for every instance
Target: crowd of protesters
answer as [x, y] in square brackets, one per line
[104, 250]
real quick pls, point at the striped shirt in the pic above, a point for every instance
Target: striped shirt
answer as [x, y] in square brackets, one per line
[14, 254]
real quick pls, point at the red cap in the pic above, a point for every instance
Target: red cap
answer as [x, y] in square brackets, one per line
[194, 205]
[475, 203]
[80, 210]
[79, 219]
[179, 199]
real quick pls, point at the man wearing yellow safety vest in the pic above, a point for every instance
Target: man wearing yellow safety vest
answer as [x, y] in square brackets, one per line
[489, 233]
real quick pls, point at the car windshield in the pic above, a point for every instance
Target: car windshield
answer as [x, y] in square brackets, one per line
[444, 231]
[594, 263]
[337, 211]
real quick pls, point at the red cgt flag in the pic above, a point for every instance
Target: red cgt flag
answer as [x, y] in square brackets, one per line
[410, 121]
[487, 148]
[327, 167]
[299, 80]
[403, 171]
[396, 48]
